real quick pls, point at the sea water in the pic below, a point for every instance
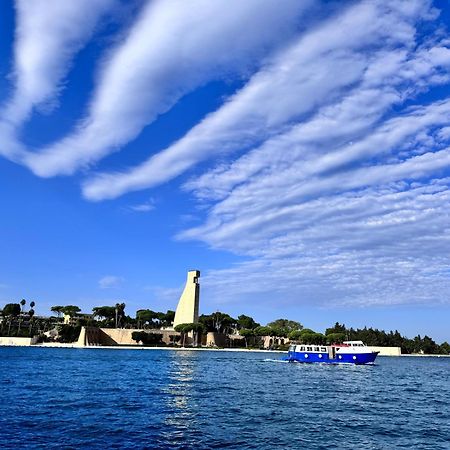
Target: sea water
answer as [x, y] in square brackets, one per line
[100, 398]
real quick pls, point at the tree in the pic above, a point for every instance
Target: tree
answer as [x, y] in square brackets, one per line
[198, 329]
[428, 346]
[22, 304]
[308, 336]
[218, 322]
[246, 322]
[147, 338]
[335, 338]
[278, 331]
[57, 309]
[444, 348]
[31, 315]
[288, 325]
[295, 335]
[263, 331]
[338, 328]
[70, 310]
[246, 334]
[107, 312]
[316, 338]
[170, 317]
[11, 310]
[120, 314]
[185, 328]
[145, 316]
[68, 333]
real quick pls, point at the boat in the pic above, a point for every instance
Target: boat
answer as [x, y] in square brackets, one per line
[349, 352]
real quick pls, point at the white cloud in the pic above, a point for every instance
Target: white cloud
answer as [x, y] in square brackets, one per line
[173, 48]
[144, 207]
[345, 199]
[339, 188]
[345, 208]
[380, 246]
[110, 282]
[48, 35]
[357, 44]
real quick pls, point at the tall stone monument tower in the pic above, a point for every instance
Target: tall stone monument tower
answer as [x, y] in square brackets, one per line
[187, 309]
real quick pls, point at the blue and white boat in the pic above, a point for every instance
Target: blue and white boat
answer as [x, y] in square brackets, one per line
[349, 352]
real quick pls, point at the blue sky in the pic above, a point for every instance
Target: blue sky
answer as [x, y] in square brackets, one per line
[298, 155]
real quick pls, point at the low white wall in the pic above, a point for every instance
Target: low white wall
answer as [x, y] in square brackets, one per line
[123, 336]
[16, 341]
[387, 351]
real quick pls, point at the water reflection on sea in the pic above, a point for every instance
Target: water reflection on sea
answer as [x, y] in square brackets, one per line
[178, 396]
[81, 398]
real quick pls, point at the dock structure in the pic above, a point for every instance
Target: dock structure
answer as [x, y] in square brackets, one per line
[188, 305]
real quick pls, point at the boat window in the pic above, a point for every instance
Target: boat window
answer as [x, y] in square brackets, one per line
[302, 349]
[309, 349]
[316, 349]
[323, 349]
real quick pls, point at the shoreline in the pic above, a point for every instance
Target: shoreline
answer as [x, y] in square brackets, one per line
[190, 349]
[127, 347]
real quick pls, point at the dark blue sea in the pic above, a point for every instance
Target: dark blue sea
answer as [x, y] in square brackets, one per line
[159, 399]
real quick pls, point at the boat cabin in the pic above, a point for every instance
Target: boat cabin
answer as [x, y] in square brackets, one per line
[308, 348]
[354, 343]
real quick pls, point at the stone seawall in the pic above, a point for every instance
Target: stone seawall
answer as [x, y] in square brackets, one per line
[17, 341]
[116, 336]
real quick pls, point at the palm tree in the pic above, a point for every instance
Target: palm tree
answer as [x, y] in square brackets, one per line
[31, 314]
[22, 304]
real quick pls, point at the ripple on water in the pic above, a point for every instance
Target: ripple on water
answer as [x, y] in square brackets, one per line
[53, 398]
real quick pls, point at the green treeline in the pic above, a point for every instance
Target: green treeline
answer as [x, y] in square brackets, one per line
[18, 319]
[371, 336]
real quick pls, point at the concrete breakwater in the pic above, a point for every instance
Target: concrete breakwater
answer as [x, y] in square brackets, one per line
[17, 341]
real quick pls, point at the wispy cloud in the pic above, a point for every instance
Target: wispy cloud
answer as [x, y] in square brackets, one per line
[110, 282]
[347, 207]
[173, 48]
[333, 178]
[380, 245]
[147, 206]
[339, 227]
[48, 35]
[312, 72]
